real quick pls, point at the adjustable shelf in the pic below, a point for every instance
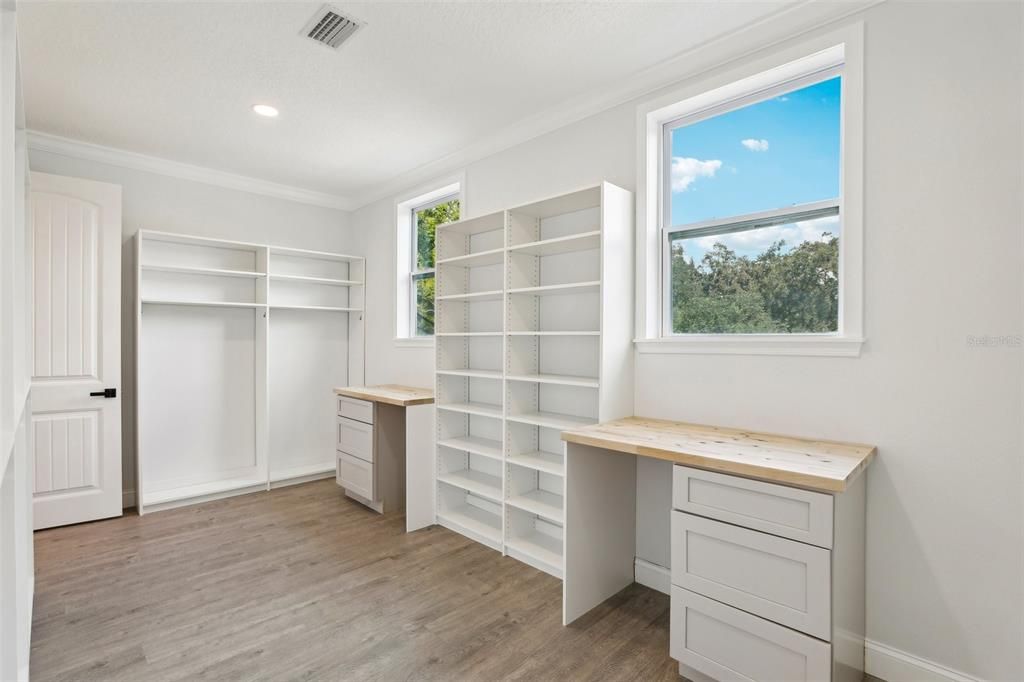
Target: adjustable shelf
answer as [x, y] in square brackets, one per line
[560, 379]
[473, 481]
[466, 334]
[206, 304]
[489, 257]
[534, 330]
[548, 462]
[540, 502]
[554, 333]
[321, 308]
[317, 280]
[551, 420]
[493, 295]
[475, 445]
[474, 373]
[212, 272]
[560, 289]
[584, 241]
[478, 409]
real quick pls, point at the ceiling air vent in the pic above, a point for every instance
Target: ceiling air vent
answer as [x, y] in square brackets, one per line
[331, 27]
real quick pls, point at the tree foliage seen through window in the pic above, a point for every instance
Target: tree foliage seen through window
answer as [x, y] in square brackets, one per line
[779, 290]
[427, 220]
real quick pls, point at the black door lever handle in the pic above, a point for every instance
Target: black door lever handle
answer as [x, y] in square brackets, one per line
[105, 393]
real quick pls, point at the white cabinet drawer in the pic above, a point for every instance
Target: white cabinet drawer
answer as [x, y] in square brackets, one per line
[782, 580]
[355, 438]
[360, 410]
[355, 475]
[729, 645]
[777, 509]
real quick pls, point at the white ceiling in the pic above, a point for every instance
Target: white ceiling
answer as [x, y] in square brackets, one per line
[423, 80]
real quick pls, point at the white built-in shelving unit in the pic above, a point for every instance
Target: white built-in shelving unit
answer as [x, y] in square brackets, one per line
[534, 324]
[236, 345]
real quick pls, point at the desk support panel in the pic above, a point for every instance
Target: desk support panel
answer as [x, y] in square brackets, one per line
[600, 527]
[419, 467]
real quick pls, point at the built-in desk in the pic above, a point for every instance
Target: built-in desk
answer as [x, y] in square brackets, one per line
[767, 544]
[386, 438]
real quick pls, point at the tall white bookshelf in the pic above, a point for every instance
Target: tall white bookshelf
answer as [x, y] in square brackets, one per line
[533, 326]
[236, 346]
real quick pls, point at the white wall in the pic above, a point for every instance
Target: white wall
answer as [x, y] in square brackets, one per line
[17, 584]
[159, 202]
[943, 261]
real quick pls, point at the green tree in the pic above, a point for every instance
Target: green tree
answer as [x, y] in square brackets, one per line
[427, 221]
[778, 291]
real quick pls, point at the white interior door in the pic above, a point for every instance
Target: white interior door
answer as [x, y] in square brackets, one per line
[76, 328]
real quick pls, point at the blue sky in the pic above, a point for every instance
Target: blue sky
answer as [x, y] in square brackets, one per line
[767, 155]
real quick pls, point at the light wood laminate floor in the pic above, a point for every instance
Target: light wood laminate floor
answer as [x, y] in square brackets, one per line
[302, 583]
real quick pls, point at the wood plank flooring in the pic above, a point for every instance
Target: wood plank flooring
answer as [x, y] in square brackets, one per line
[303, 584]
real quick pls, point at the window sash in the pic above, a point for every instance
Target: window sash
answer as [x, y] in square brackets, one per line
[740, 223]
[414, 302]
[665, 181]
[417, 273]
[414, 252]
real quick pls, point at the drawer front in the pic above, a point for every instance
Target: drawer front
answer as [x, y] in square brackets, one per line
[360, 410]
[355, 475]
[355, 438]
[777, 509]
[782, 580]
[729, 645]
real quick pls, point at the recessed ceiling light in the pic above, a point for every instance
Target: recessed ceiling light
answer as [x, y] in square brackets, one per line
[265, 110]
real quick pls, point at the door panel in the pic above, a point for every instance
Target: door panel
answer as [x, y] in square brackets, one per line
[67, 282]
[76, 324]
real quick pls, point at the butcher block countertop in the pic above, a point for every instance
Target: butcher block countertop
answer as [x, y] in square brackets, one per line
[825, 466]
[390, 394]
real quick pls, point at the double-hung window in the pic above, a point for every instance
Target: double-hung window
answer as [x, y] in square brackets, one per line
[749, 214]
[423, 222]
[751, 219]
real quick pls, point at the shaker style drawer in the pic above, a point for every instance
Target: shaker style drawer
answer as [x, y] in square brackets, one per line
[777, 509]
[355, 438]
[360, 410]
[355, 475]
[782, 580]
[729, 645]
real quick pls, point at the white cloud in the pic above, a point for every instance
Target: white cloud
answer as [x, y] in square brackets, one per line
[755, 145]
[686, 169]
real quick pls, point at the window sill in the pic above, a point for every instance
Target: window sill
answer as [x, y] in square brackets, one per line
[424, 342]
[753, 344]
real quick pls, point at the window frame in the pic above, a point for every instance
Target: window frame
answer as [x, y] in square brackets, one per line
[840, 53]
[406, 269]
[415, 272]
[743, 221]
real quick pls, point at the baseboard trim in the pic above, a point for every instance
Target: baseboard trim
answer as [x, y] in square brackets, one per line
[652, 575]
[127, 499]
[893, 665]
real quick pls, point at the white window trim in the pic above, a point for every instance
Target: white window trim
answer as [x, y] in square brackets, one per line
[843, 47]
[404, 206]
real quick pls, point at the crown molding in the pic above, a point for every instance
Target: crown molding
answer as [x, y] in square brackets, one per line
[77, 149]
[786, 24]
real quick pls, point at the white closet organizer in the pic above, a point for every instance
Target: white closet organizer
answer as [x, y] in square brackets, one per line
[534, 323]
[237, 344]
